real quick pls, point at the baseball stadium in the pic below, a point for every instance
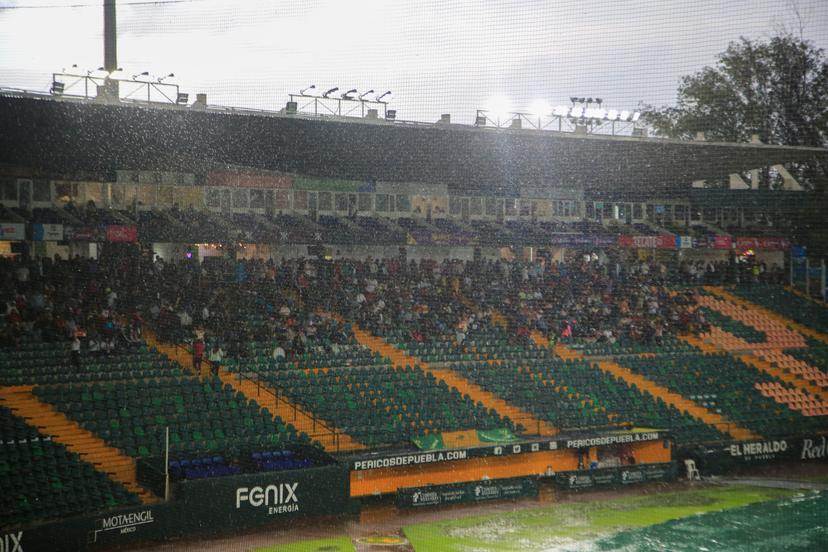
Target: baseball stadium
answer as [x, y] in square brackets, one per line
[327, 327]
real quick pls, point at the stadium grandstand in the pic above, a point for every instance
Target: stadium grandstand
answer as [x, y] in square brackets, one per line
[223, 318]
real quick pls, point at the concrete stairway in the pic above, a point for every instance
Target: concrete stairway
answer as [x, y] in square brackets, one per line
[401, 359]
[92, 449]
[656, 390]
[724, 294]
[332, 440]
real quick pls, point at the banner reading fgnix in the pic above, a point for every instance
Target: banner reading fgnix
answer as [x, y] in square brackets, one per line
[265, 497]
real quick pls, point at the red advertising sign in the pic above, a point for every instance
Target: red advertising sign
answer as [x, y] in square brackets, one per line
[766, 243]
[647, 242]
[722, 242]
[121, 233]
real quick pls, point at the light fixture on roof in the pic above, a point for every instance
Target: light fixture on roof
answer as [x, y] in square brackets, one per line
[347, 95]
[540, 108]
[311, 87]
[162, 79]
[362, 96]
[144, 74]
[331, 91]
[386, 93]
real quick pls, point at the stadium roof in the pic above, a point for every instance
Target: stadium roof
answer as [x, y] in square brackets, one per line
[66, 136]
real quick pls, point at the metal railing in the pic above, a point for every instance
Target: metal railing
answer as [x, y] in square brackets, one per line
[319, 429]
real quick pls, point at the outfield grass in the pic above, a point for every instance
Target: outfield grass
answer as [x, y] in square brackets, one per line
[341, 544]
[540, 528]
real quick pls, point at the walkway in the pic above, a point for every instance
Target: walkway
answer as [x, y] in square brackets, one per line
[724, 294]
[332, 439]
[91, 448]
[656, 390]
[401, 359]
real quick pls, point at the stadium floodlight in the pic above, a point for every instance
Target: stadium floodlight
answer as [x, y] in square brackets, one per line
[540, 108]
[561, 111]
[162, 79]
[599, 101]
[612, 115]
[387, 92]
[362, 96]
[576, 111]
[331, 91]
[311, 87]
[347, 95]
[573, 99]
[144, 74]
[624, 116]
[636, 116]
[589, 100]
[499, 108]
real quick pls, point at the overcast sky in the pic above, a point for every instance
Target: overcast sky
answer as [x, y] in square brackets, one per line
[435, 56]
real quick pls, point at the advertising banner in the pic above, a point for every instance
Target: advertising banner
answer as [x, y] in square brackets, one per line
[390, 460]
[121, 233]
[84, 233]
[626, 475]
[766, 243]
[662, 241]
[579, 240]
[12, 231]
[727, 455]
[684, 242]
[47, 232]
[473, 491]
[124, 526]
[262, 497]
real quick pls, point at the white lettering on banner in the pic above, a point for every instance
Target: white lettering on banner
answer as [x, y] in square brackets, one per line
[611, 440]
[482, 492]
[421, 498]
[280, 499]
[811, 451]
[762, 447]
[425, 458]
[126, 520]
[12, 542]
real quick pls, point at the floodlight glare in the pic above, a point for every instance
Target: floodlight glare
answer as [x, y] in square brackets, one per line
[576, 111]
[612, 115]
[540, 108]
[331, 91]
[561, 111]
[498, 107]
[624, 115]
[636, 116]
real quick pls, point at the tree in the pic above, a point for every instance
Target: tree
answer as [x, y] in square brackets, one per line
[777, 89]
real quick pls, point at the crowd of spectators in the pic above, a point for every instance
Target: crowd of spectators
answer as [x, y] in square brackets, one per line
[233, 304]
